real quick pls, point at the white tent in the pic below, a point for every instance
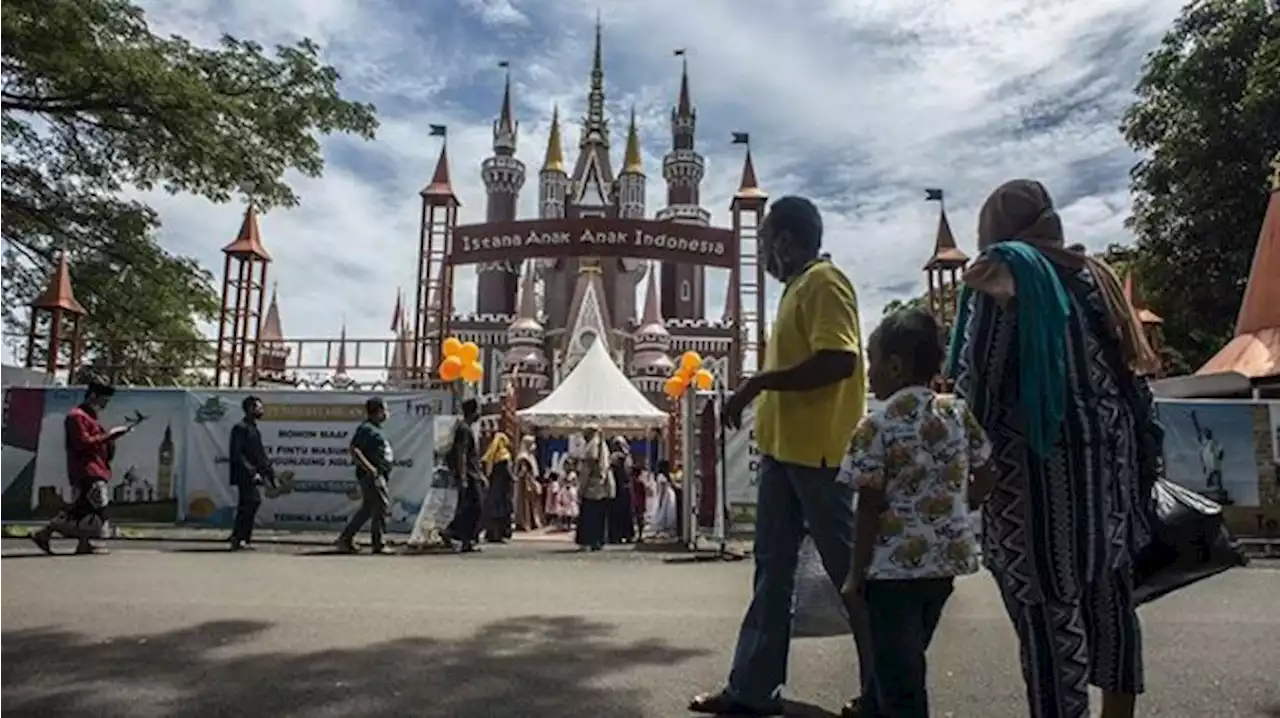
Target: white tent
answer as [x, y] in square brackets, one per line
[595, 392]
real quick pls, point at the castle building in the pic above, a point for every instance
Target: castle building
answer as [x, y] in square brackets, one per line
[536, 319]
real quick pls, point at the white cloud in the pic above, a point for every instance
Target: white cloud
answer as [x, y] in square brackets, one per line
[860, 104]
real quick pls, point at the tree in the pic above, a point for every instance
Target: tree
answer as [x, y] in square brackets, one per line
[96, 105]
[1206, 122]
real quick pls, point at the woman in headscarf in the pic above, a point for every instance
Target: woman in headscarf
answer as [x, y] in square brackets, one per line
[596, 490]
[1051, 358]
[622, 520]
[499, 500]
[665, 513]
[528, 490]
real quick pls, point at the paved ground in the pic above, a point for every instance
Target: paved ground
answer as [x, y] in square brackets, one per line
[181, 629]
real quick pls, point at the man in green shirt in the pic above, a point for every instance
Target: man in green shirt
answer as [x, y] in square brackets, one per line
[373, 457]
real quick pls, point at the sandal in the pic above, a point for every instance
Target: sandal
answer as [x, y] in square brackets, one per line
[723, 704]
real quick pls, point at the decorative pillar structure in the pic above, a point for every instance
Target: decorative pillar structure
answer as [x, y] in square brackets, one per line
[57, 302]
[244, 282]
[747, 277]
[433, 305]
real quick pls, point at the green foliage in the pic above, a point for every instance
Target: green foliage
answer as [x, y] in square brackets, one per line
[1206, 121]
[96, 105]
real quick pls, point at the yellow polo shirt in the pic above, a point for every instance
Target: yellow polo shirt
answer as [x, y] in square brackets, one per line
[818, 311]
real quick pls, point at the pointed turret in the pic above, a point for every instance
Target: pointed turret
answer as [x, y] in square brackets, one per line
[749, 187]
[440, 187]
[271, 328]
[683, 295]
[340, 367]
[1255, 350]
[248, 242]
[57, 294]
[684, 107]
[632, 161]
[595, 128]
[505, 128]
[945, 252]
[554, 160]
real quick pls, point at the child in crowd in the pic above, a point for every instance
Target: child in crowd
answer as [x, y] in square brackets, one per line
[569, 500]
[551, 499]
[918, 464]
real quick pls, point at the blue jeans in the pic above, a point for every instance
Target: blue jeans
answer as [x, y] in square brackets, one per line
[789, 498]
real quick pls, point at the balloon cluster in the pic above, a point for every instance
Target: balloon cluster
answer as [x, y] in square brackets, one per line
[461, 361]
[689, 373]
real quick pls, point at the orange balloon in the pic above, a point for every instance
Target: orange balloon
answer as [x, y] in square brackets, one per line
[473, 372]
[468, 352]
[674, 387]
[450, 368]
[451, 347]
[685, 373]
[691, 361]
[703, 379]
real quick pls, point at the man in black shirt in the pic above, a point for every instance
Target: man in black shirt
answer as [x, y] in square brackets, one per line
[250, 468]
[464, 464]
[371, 452]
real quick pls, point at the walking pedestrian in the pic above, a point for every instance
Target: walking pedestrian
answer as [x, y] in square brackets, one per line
[812, 392]
[373, 457]
[250, 469]
[464, 461]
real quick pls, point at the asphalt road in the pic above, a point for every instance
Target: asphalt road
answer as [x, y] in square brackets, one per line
[193, 631]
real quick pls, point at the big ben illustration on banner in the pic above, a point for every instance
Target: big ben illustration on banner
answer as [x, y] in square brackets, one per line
[164, 466]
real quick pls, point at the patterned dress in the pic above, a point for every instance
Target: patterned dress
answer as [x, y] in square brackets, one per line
[1060, 531]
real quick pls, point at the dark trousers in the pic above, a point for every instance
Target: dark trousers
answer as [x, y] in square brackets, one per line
[465, 526]
[790, 498]
[593, 522]
[374, 501]
[248, 500]
[903, 616]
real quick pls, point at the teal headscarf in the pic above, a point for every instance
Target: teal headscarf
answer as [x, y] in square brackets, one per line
[1043, 309]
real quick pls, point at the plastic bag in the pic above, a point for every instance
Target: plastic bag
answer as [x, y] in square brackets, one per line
[817, 610]
[1190, 542]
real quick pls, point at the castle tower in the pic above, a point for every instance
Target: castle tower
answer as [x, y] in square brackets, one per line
[631, 180]
[273, 357]
[503, 176]
[526, 361]
[553, 181]
[683, 285]
[622, 275]
[433, 301]
[747, 280]
[651, 364]
[943, 268]
[57, 302]
[244, 282]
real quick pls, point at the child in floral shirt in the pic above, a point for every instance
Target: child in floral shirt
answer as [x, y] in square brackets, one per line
[912, 464]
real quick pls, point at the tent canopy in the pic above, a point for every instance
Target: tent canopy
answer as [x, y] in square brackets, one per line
[596, 392]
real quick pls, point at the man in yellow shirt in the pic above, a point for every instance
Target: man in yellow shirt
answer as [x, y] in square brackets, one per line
[812, 393]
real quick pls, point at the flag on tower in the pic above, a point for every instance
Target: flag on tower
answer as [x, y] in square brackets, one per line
[504, 64]
[741, 138]
[439, 130]
[933, 195]
[679, 53]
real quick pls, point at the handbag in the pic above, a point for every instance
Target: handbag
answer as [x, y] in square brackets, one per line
[1189, 543]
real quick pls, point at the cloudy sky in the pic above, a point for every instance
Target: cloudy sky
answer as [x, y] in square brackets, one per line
[859, 104]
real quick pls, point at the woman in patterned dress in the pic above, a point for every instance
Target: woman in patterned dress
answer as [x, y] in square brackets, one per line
[1050, 356]
[528, 490]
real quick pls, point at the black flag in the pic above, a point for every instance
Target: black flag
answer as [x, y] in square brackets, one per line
[933, 195]
[504, 64]
[741, 138]
[679, 53]
[439, 130]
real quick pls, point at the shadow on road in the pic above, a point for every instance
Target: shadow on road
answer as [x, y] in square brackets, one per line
[529, 666]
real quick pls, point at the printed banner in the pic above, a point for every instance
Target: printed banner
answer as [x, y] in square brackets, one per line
[148, 461]
[306, 435]
[1209, 447]
[742, 473]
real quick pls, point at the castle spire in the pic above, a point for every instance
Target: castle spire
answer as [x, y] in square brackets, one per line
[945, 251]
[340, 369]
[595, 128]
[528, 293]
[440, 185]
[632, 161]
[248, 242]
[554, 161]
[272, 331]
[58, 294]
[685, 106]
[505, 128]
[749, 186]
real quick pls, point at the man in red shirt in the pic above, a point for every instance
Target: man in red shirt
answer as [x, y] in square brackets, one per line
[89, 451]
